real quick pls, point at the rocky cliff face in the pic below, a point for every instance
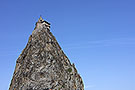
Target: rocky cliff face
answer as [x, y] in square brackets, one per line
[43, 65]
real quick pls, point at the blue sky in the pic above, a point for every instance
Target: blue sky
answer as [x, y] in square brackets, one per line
[97, 35]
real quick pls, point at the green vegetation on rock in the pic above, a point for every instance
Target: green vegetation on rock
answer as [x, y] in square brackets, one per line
[69, 69]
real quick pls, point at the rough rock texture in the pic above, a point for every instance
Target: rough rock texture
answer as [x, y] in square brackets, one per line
[43, 65]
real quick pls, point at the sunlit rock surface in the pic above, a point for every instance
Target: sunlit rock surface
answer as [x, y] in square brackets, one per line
[43, 65]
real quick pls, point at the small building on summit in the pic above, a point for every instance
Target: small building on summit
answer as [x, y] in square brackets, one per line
[42, 23]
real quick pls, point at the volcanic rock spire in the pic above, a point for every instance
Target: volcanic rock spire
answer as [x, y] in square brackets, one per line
[43, 65]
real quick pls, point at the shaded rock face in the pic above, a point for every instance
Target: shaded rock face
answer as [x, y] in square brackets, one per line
[43, 65]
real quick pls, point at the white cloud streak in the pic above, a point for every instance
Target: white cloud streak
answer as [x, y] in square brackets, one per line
[89, 86]
[127, 42]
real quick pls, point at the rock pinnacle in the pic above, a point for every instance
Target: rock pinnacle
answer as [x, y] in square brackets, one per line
[43, 65]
